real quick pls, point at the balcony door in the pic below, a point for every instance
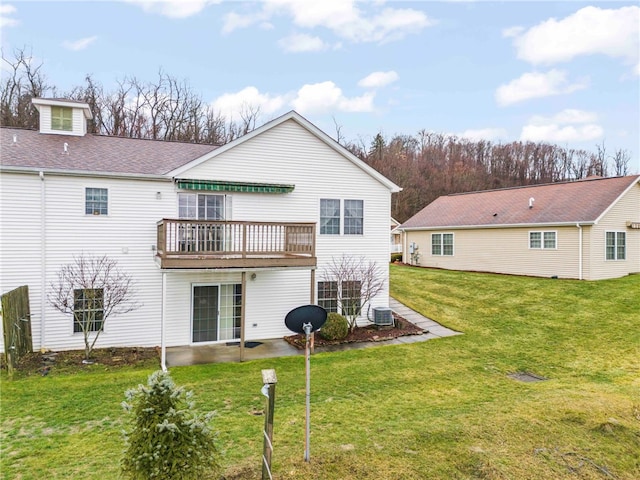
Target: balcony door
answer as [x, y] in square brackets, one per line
[198, 237]
[216, 312]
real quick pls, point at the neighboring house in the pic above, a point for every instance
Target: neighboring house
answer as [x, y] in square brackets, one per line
[587, 229]
[221, 242]
[396, 237]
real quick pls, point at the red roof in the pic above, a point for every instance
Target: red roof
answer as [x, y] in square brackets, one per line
[556, 203]
[95, 153]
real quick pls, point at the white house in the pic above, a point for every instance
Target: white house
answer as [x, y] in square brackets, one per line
[221, 242]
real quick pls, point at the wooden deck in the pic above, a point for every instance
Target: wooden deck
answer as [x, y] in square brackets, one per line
[230, 244]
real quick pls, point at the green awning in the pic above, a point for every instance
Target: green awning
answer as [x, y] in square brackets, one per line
[224, 186]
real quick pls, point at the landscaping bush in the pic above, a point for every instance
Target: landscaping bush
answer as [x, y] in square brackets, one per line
[168, 438]
[335, 328]
[396, 257]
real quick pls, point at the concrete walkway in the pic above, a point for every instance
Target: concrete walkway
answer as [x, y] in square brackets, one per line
[219, 353]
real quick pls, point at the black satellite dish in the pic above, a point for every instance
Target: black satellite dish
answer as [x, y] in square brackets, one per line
[298, 317]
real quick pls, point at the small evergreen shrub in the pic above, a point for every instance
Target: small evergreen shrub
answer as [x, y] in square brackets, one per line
[168, 439]
[396, 257]
[335, 328]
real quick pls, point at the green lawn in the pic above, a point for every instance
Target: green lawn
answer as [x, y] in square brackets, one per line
[443, 409]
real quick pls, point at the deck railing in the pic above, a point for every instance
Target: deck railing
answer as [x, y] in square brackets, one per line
[228, 240]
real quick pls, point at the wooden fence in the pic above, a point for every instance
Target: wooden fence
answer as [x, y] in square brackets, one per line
[16, 325]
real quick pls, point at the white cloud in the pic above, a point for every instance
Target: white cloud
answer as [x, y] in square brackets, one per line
[79, 44]
[6, 11]
[483, 134]
[569, 125]
[327, 96]
[512, 31]
[378, 79]
[342, 17]
[590, 30]
[174, 8]
[232, 105]
[302, 43]
[536, 85]
[310, 98]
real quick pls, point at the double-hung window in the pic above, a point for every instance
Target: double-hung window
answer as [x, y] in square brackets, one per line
[442, 244]
[542, 240]
[96, 201]
[88, 310]
[328, 296]
[346, 216]
[348, 291]
[61, 118]
[350, 296]
[616, 245]
[353, 217]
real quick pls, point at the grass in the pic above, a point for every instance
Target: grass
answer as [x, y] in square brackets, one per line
[438, 409]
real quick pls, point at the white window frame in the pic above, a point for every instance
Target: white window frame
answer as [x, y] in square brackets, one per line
[542, 239]
[615, 246]
[341, 216]
[96, 213]
[442, 252]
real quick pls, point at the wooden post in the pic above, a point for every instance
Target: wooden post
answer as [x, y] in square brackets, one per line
[269, 390]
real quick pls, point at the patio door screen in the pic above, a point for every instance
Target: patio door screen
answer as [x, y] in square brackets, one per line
[216, 312]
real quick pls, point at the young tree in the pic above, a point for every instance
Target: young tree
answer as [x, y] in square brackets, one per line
[358, 280]
[168, 439]
[92, 289]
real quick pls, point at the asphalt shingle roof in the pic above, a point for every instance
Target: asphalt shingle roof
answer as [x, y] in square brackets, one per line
[95, 153]
[556, 203]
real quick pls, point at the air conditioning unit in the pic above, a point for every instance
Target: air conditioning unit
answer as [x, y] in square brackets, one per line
[382, 316]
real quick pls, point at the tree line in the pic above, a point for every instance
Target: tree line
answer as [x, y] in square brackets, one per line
[427, 164]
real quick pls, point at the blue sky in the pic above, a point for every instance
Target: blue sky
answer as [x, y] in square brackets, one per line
[562, 72]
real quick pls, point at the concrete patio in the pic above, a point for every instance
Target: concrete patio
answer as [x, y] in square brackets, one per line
[220, 353]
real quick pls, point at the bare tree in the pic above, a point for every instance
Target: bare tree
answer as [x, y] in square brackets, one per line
[23, 81]
[621, 160]
[357, 281]
[92, 289]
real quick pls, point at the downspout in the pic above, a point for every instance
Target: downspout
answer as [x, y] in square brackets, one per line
[43, 260]
[579, 251]
[163, 347]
